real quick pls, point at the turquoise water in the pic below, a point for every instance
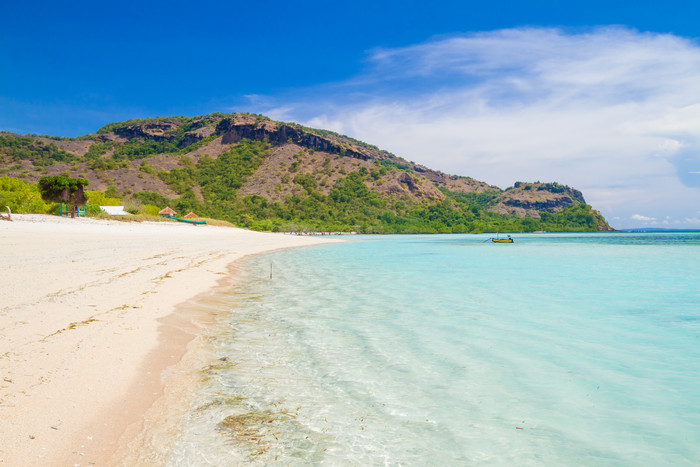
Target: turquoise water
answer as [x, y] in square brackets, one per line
[560, 349]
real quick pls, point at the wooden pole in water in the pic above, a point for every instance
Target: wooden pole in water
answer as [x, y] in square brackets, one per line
[270, 270]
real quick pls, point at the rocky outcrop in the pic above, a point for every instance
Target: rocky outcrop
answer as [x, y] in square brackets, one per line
[157, 131]
[532, 198]
[240, 127]
[418, 188]
[549, 205]
[153, 130]
[194, 136]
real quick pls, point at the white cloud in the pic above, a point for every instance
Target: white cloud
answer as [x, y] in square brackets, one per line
[613, 112]
[639, 217]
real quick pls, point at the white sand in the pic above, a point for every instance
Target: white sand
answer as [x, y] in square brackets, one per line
[88, 333]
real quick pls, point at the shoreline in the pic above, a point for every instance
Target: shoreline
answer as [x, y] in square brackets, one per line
[172, 371]
[96, 328]
[149, 441]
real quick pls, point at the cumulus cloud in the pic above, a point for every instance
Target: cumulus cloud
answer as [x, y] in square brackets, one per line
[613, 112]
[639, 217]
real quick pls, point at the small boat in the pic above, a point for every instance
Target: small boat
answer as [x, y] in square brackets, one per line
[189, 221]
[503, 240]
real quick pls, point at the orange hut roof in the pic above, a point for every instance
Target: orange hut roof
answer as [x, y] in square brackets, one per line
[167, 211]
[191, 215]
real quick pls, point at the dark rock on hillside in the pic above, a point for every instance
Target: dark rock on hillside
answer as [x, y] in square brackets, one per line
[194, 136]
[407, 180]
[154, 130]
[240, 127]
[529, 199]
[549, 205]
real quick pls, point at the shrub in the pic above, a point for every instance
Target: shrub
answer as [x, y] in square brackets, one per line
[133, 206]
[21, 196]
[151, 210]
[98, 198]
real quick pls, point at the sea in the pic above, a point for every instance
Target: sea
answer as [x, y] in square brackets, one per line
[557, 349]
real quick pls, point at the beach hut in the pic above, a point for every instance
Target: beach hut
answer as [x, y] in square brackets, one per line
[167, 211]
[191, 215]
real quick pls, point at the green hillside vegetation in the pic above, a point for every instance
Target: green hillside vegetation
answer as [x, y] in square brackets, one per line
[19, 148]
[350, 205]
[348, 185]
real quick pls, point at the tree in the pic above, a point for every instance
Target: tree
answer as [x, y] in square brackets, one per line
[62, 189]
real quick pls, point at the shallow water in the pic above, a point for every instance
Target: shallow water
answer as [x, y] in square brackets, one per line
[559, 349]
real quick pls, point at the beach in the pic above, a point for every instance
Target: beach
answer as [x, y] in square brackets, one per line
[97, 329]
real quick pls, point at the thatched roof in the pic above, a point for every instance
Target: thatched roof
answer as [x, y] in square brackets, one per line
[191, 215]
[167, 211]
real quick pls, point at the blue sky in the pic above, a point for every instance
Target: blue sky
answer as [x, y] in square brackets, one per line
[603, 96]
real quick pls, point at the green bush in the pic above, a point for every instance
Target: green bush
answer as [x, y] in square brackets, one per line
[100, 199]
[133, 206]
[93, 210]
[151, 210]
[152, 198]
[21, 197]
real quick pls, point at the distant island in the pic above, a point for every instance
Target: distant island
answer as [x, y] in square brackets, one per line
[266, 175]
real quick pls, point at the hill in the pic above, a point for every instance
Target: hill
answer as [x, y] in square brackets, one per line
[270, 175]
